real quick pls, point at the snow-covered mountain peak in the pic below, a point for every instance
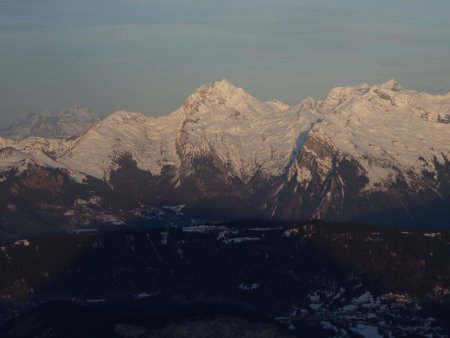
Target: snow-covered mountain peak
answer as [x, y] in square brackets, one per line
[224, 101]
[362, 92]
[219, 93]
[390, 98]
[385, 126]
[391, 85]
[221, 89]
[339, 95]
[386, 98]
[225, 86]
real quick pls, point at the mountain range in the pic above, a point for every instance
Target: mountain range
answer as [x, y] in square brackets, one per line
[375, 154]
[69, 123]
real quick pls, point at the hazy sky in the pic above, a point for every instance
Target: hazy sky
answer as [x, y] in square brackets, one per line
[148, 55]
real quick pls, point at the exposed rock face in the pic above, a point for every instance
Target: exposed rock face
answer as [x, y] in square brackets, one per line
[376, 154]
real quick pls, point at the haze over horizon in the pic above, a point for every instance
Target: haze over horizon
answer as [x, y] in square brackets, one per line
[147, 56]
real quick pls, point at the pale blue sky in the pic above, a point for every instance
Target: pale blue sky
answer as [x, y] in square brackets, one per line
[148, 55]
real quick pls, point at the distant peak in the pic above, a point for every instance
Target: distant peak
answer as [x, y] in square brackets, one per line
[77, 108]
[70, 122]
[79, 112]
